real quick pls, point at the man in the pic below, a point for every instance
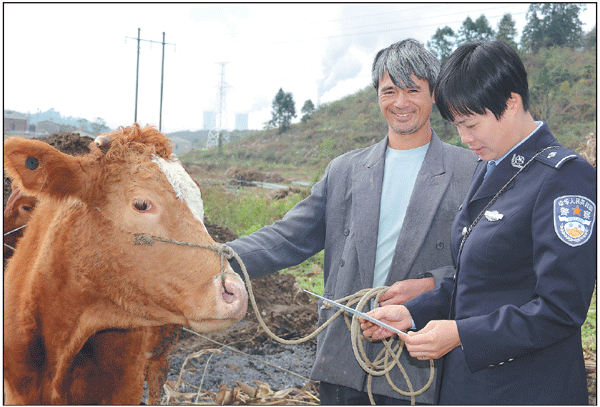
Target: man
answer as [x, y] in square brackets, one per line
[508, 322]
[382, 214]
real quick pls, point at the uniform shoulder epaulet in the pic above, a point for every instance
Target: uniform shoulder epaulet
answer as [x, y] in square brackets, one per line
[555, 157]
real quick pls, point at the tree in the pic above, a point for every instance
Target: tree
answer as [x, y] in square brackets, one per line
[441, 43]
[83, 124]
[507, 31]
[533, 33]
[284, 110]
[552, 25]
[475, 30]
[589, 40]
[220, 143]
[99, 126]
[307, 110]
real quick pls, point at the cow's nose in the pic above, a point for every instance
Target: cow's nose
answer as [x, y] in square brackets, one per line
[232, 288]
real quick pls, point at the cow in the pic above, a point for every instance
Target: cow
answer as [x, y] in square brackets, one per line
[16, 215]
[84, 296]
[161, 339]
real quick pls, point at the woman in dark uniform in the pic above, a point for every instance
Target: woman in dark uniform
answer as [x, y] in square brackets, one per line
[508, 323]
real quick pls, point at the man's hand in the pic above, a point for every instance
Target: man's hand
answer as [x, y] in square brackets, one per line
[433, 341]
[393, 315]
[402, 291]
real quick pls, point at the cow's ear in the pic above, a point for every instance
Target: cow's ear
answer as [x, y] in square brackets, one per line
[38, 168]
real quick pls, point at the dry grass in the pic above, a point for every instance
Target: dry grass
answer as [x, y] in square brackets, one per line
[241, 394]
[588, 149]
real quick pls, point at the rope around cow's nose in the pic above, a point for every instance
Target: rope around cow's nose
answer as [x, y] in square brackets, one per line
[388, 358]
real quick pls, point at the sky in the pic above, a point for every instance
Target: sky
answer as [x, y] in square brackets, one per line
[81, 59]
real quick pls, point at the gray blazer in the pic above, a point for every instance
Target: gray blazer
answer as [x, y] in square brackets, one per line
[341, 216]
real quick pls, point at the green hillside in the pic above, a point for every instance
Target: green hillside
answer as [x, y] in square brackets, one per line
[563, 93]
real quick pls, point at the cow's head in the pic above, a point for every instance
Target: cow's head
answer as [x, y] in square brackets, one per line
[16, 215]
[130, 184]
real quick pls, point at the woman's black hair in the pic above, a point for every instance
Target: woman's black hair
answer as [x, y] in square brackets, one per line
[478, 76]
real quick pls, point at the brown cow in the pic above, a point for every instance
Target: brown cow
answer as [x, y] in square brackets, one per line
[16, 215]
[161, 339]
[81, 299]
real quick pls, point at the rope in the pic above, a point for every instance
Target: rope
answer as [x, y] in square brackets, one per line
[388, 358]
[12, 231]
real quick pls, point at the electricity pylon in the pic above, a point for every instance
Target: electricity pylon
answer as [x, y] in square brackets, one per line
[221, 122]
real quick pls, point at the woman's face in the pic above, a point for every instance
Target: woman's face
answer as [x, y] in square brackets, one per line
[485, 135]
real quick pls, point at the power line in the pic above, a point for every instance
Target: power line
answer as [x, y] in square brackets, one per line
[401, 25]
[375, 32]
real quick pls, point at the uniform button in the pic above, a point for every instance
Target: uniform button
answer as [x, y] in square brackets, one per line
[464, 231]
[342, 263]
[511, 359]
[491, 366]
[439, 245]
[346, 232]
[500, 364]
[454, 277]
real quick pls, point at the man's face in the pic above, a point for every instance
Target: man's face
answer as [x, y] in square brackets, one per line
[406, 110]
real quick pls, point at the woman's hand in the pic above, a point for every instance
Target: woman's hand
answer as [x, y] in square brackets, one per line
[433, 341]
[396, 316]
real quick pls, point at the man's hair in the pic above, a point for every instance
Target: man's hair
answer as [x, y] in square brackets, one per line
[401, 60]
[478, 76]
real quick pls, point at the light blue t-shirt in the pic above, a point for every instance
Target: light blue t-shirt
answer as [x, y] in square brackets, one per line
[399, 176]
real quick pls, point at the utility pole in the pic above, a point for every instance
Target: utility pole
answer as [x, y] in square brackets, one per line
[162, 78]
[137, 74]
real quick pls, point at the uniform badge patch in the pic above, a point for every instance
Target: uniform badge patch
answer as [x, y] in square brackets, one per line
[493, 216]
[517, 161]
[574, 218]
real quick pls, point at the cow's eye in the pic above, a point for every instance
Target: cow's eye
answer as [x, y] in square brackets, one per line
[142, 205]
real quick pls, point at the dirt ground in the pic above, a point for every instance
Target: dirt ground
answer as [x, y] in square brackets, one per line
[287, 311]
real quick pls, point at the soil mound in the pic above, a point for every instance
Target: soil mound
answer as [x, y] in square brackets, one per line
[253, 175]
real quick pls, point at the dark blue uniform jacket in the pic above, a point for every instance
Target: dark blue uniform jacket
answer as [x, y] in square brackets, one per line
[524, 281]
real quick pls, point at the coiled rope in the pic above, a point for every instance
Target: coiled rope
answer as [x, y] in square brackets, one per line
[388, 358]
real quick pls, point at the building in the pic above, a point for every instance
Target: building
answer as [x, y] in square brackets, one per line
[14, 121]
[241, 121]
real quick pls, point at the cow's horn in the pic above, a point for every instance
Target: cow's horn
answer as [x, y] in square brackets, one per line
[103, 141]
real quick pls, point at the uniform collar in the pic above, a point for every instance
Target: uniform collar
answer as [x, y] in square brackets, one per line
[519, 155]
[499, 160]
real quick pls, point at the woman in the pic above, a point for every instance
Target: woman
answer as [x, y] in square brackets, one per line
[508, 323]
